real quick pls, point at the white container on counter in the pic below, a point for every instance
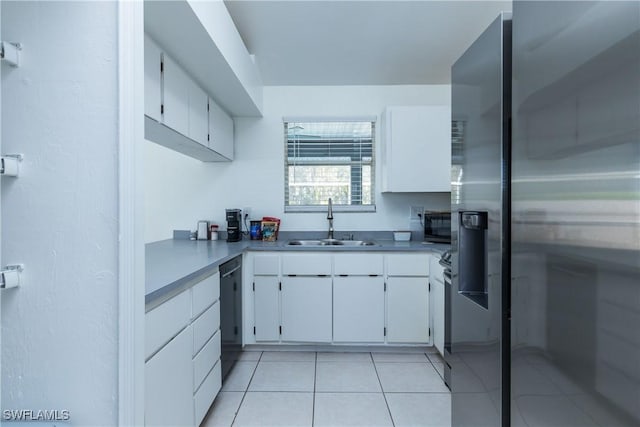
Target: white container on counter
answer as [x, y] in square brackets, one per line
[402, 236]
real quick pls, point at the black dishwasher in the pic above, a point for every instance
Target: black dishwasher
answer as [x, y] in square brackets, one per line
[230, 313]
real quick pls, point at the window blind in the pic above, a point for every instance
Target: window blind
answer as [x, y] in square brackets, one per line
[329, 159]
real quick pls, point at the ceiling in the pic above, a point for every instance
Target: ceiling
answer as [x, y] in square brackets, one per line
[329, 42]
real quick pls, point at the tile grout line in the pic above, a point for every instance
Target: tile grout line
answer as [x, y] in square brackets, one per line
[246, 390]
[384, 395]
[434, 367]
[313, 396]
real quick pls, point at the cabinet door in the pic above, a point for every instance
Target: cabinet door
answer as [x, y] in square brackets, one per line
[176, 96]
[152, 79]
[220, 130]
[168, 397]
[436, 300]
[306, 309]
[417, 149]
[198, 114]
[358, 309]
[408, 310]
[266, 308]
[437, 304]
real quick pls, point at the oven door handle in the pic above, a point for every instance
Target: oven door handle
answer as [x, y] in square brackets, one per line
[229, 273]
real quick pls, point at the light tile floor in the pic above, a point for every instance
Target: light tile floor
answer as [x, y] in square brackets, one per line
[307, 388]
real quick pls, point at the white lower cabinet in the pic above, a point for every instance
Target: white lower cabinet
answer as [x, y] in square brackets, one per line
[436, 279]
[183, 376]
[204, 396]
[168, 399]
[358, 309]
[407, 310]
[354, 297]
[437, 296]
[266, 308]
[165, 321]
[205, 360]
[306, 309]
[207, 376]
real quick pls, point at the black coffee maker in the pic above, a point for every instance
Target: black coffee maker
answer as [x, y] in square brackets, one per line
[234, 225]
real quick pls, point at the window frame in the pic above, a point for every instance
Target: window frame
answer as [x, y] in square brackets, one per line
[336, 207]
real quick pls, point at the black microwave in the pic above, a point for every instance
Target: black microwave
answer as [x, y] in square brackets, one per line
[437, 227]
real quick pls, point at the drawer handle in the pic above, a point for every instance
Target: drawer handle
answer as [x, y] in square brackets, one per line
[229, 273]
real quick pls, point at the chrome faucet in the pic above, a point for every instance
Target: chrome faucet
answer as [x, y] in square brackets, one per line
[330, 218]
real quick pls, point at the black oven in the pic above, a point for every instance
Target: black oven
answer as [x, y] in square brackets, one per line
[437, 227]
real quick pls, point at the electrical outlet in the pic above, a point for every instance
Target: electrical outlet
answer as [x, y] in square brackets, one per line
[414, 211]
[246, 212]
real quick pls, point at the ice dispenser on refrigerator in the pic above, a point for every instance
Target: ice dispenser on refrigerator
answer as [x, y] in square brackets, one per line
[472, 252]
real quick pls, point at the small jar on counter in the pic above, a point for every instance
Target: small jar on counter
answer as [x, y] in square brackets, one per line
[255, 232]
[213, 232]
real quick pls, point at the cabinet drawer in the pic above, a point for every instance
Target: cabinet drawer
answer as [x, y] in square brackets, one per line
[205, 360]
[358, 264]
[165, 321]
[306, 264]
[204, 397]
[204, 294]
[266, 265]
[168, 383]
[205, 326]
[408, 265]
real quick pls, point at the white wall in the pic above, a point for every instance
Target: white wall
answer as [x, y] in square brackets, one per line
[59, 330]
[179, 190]
[1, 151]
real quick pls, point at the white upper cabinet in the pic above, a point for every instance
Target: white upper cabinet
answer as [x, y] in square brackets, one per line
[198, 114]
[178, 113]
[220, 130]
[202, 37]
[416, 149]
[176, 98]
[152, 79]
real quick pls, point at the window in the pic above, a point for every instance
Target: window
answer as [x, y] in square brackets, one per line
[457, 141]
[329, 159]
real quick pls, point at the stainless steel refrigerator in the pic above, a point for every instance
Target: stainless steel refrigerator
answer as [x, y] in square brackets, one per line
[544, 302]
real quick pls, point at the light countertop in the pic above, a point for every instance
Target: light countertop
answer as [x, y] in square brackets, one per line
[172, 265]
